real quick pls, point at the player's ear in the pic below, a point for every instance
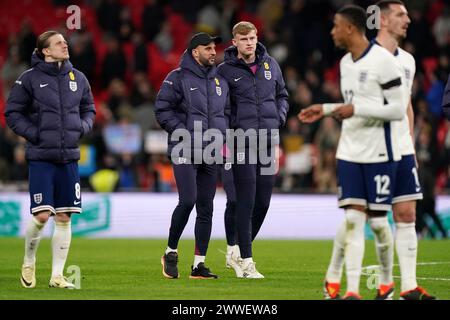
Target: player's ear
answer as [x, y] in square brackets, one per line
[350, 28]
[384, 19]
[195, 53]
[234, 42]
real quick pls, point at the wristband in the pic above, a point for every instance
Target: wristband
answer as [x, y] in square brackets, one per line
[328, 108]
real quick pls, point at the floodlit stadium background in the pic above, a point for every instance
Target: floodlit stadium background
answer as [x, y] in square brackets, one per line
[126, 48]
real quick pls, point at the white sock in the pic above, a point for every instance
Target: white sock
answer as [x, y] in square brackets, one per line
[169, 249]
[32, 238]
[384, 244]
[237, 250]
[406, 245]
[354, 253]
[198, 259]
[334, 273]
[246, 262]
[234, 249]
[60, 247]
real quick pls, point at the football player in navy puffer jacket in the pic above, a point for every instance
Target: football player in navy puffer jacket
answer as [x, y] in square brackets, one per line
[190, 95]
[52, 107]
[259, 100]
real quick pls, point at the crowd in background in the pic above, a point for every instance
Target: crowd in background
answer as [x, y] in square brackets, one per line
[126, 48]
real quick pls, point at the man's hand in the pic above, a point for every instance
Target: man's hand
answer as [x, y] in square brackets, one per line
[344, 111]
[311, 114]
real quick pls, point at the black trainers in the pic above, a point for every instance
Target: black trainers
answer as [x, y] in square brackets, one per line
[416, 294]
[169, 262]
[202, 272]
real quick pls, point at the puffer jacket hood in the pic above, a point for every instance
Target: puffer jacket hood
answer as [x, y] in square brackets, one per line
[50, 68]
[231, 55]
[192, 94]
[258, 100]
[188, 63]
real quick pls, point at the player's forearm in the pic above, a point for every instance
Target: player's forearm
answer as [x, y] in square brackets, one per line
[393, 109]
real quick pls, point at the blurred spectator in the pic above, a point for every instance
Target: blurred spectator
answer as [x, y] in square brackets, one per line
[126, 26]
[208, 19]
[82, 52]
[141, 90]
[228, 19]
[297, 172]
[127, 174]
[117, 97]
[326, 141]
[441, 28]
[163, 39]
[141, 63]
[153, 17]
[27, 41]
[434, 95]
[115, 64]
[12, 69]
[108, 15]
[428, 164]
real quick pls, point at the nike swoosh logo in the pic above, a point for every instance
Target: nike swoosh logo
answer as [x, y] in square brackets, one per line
[43, 85]
[417, 189]
[76, 202]
[237, 79]
[25, 282]
[377, 200]
[192, 89]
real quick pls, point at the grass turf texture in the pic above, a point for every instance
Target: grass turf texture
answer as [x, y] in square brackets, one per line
[131, 269]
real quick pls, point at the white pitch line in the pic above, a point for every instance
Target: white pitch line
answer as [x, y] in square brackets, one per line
[418, 278]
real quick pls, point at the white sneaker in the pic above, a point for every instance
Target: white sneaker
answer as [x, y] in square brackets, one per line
[249, 271]
[235, 262]
[60, 282]
[28, 278]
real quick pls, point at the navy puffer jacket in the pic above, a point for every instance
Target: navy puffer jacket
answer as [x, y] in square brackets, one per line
[192, 93]
[52, 108]
[258, 101]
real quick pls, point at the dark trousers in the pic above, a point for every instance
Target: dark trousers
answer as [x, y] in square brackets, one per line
[196, 185]
[253, 193]
[230, 210]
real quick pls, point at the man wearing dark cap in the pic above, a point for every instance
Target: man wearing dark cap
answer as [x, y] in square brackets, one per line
[190, 97]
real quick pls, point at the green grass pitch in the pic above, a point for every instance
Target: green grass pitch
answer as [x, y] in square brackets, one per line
[131, 269]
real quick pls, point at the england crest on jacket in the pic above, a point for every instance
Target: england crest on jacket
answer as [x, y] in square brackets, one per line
[72, 83]
[218, 89]
[267, 72]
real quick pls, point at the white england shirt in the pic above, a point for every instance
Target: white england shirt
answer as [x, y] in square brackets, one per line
[408, 65]
[365, 139]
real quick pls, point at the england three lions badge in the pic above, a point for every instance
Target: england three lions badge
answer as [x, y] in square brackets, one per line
[73, 86]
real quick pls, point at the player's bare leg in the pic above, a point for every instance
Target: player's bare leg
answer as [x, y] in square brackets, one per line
[32, 238]
[406, 246]
[60, 248]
